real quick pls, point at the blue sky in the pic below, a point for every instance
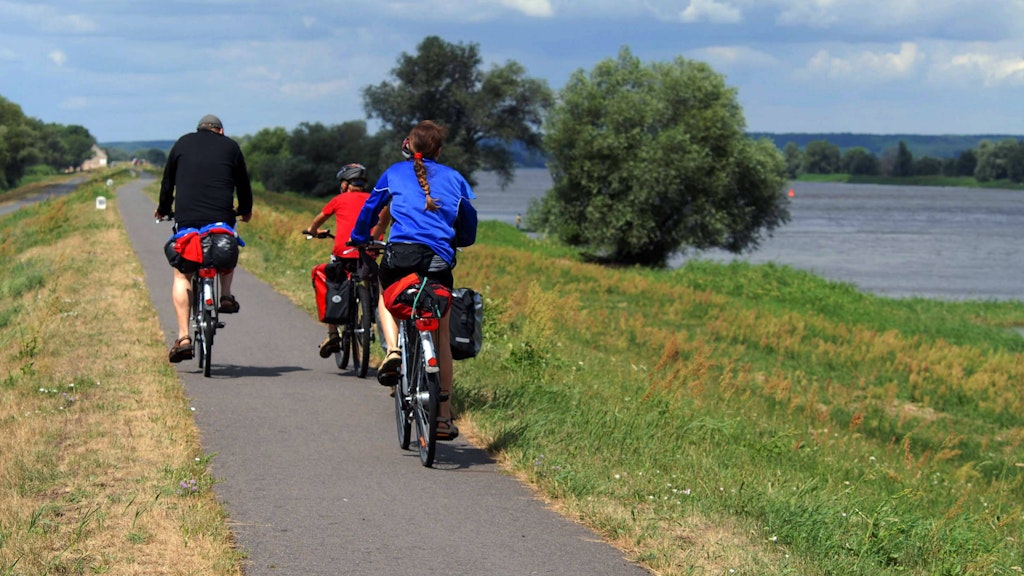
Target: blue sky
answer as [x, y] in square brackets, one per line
[147, 70]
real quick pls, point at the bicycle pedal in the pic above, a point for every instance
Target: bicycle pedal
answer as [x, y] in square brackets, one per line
[220, 324]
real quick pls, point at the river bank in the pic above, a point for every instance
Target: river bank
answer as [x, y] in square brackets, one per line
[897, 241]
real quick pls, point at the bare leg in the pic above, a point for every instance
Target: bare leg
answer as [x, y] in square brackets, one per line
[225, 283]
[180, 296]
[387, 324]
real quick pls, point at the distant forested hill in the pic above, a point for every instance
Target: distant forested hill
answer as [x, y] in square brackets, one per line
[940, 146]
[135, 146]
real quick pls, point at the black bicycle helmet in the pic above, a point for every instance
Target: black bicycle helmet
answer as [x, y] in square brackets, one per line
[352, 173]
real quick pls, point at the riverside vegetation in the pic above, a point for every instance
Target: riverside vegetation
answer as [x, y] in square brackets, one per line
[715, 419]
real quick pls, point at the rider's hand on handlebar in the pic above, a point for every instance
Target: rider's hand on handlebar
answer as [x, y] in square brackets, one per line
[318, 234]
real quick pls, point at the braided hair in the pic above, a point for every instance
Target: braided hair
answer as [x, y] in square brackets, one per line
[424, 141]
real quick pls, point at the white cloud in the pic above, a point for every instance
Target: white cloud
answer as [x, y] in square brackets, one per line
[58, 57]
[991, 69]
[734, 56]
[867, 65]
[535, 8]
[469, 10]
[45, 18]
[710, 11]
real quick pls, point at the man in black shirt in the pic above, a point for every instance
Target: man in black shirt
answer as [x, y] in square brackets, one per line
[207, 169]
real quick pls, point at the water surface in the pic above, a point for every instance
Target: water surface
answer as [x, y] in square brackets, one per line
[933, 242]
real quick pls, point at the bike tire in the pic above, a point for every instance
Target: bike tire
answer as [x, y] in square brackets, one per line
[403, 414]
[425, 392]
[196, 318]
[209, 329]
[342, 355]
[363, 333]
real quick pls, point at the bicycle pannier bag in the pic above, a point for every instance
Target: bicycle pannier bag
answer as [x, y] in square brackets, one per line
[467, 317]
[184, 250]
[220, 251]
[333, 290]
[404, 294]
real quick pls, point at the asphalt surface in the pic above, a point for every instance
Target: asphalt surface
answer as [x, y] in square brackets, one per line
[308, 463]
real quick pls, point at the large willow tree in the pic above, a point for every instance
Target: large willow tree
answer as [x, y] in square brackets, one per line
[649, 160]
[485, 111]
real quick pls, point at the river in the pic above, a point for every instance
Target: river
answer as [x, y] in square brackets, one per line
[893, 241]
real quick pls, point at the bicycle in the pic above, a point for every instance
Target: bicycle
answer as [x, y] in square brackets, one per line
[204, 303]
[204, 314]
[418, 389]
[357, 336]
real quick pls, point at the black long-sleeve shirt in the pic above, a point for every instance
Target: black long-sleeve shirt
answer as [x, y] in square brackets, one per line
[207, 169]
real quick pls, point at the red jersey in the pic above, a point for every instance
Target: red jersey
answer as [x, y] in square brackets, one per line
[345, 208]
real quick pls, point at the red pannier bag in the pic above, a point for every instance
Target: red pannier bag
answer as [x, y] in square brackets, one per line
[332, 288]
[401, 297]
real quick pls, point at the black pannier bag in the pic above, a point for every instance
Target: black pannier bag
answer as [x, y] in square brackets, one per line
[333, 288]
[467, 318]
[220, 251]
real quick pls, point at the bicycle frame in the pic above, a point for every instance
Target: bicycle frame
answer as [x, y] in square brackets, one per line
[357, 336]
[418, 393]
[204, 315]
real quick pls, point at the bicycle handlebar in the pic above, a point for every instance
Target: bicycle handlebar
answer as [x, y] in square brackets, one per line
[370, 244]
[319, 234]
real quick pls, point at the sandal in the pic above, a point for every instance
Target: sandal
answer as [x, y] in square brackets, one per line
[388, 372]
[228, 305]
[330, 345]
[180, 351]
[450, 430]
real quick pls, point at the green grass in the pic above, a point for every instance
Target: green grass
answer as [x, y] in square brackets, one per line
[825, 430]
[101, 470]
[958, 181]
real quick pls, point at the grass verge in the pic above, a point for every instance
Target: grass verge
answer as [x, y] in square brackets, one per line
[716, 419]
[734, 419]
[101, 470]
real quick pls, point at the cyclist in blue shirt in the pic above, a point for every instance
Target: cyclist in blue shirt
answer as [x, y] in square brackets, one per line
[431, 215]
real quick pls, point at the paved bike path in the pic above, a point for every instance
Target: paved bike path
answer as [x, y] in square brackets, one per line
[308, 463]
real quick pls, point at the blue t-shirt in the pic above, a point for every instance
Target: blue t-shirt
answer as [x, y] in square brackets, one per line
[412, 221]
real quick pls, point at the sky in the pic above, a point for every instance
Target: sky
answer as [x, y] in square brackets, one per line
[145, 70]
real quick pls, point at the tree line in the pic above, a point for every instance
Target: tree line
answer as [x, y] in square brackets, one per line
[29, 145]
[990, 161]
[647, 159]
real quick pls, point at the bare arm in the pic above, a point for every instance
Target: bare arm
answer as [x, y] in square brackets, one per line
[384, 220]
[318, 221]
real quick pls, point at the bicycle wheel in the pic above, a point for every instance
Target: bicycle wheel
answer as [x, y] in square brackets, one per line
[342, 355]
[363, 333]
[196, 318]
[209, 329]
[425, 388]
[403, 413]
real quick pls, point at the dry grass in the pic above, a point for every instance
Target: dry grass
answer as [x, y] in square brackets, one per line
[102, 470]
